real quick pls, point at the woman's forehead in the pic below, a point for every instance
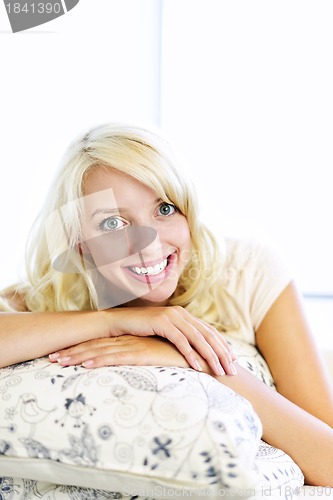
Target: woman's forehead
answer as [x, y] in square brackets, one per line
[108, 186]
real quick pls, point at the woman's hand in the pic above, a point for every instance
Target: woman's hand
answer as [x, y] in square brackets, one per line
[192, 336]
[123, 350]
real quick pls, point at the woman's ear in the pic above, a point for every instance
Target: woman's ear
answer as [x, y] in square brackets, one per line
[85, 255]
[83, 249]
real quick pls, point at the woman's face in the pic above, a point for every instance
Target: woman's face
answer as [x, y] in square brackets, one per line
[139, 243]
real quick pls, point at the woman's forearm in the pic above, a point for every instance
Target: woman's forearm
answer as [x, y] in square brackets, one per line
[27, 335]
[308, 440]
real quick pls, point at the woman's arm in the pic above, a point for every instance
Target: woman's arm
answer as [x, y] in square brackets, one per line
[27, 335]
[285, 341]
[308, 440]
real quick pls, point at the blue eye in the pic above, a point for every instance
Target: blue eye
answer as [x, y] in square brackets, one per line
[111, 224]
[167, 209]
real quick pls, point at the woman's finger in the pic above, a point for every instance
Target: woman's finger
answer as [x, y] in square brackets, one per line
[207, 344]
[80, 352]
[184, 336]
[103, 356]
[219, 336]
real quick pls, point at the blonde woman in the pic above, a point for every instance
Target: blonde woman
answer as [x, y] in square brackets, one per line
[121, 271]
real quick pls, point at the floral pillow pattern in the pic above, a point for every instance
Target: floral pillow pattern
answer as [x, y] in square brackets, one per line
[132, 432]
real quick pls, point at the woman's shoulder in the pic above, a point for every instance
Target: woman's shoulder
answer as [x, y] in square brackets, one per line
[254, 274]
[243, 252]
[253, 256]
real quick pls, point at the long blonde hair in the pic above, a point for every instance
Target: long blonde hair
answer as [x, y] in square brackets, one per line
[147, 157]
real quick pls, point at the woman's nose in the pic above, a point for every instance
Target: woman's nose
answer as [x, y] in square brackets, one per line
[138, 238]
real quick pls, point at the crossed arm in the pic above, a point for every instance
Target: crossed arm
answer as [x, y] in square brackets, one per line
[298, 419]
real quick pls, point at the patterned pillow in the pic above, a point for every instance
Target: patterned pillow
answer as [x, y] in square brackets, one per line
[126, 428]
[139, 432]
[250, 358]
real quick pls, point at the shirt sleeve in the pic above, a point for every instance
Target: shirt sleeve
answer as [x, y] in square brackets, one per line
[270, 276]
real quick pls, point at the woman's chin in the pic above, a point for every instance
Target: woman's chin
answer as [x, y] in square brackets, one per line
[158, 297]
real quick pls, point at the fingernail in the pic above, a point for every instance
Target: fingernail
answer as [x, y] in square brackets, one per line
[219, 369]
[64, 359]
[232, 368]
[55, 355]
[197, 365]
[87, 363]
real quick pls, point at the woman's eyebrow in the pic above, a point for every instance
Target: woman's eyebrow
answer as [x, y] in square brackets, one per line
[116, 210]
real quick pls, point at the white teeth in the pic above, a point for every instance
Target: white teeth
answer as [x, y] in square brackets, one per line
[151, 270]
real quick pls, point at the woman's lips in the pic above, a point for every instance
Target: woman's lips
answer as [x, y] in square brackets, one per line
[152, 278]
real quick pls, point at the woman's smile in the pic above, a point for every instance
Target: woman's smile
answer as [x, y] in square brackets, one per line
[151, 272]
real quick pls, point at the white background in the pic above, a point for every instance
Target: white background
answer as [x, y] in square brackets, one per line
[98, 63]
[243, 89]
[248, 97]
